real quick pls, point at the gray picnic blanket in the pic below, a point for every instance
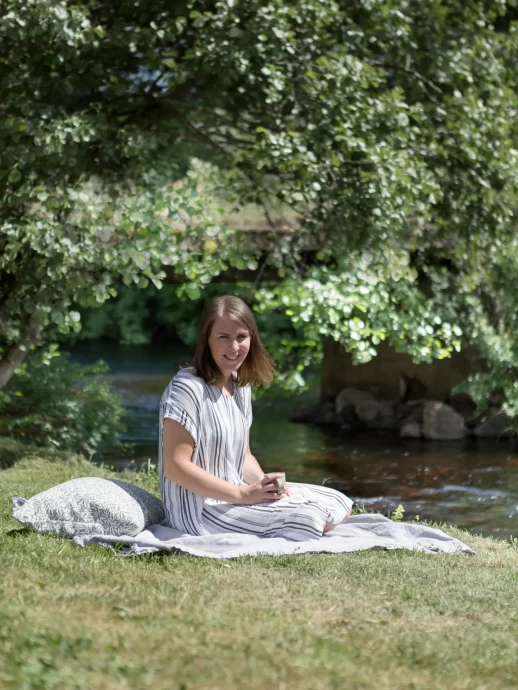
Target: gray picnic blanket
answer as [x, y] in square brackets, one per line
[359, 533]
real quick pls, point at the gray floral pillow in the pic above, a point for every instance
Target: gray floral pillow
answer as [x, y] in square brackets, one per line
[90, 505]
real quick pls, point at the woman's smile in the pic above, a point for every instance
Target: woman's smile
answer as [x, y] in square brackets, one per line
[229, 343]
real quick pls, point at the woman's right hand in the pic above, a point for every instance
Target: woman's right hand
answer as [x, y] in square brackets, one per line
[263, 491]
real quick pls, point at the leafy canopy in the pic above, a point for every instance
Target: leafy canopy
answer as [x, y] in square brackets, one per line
[388, 127]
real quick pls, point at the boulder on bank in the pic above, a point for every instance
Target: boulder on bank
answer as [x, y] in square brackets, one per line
[497, 426]
[349, 398]
[411, 430]
[430, 419]
[441, 422]
[376, 414]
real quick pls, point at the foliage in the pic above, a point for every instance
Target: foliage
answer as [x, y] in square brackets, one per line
[482, 387]
[62, 406]
[69, 257]
[397, 515]
[369, 300]
[11, 451]
[388, 127]
[124, 318]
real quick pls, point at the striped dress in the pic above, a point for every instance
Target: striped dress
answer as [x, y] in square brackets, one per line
[219, 426]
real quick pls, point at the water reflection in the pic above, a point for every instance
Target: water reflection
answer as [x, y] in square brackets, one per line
[473, 484]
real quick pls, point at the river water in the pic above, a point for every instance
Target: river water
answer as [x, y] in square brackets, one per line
[472, 484]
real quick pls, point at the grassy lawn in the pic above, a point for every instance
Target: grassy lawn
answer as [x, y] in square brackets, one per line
[83, 618]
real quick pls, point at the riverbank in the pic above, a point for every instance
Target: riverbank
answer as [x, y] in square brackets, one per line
[85, 619]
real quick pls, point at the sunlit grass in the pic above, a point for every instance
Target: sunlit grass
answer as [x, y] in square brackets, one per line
[84, 618]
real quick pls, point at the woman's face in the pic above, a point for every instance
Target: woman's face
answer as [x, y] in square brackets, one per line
[229, 343]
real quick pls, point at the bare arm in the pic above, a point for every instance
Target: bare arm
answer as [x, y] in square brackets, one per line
[252, 471]
[177, 450]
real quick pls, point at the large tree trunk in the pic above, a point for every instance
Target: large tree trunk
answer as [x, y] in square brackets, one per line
[17, 352]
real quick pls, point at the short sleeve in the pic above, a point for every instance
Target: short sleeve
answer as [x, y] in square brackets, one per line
[183, 405]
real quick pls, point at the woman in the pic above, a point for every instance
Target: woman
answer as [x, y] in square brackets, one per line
[209, 479]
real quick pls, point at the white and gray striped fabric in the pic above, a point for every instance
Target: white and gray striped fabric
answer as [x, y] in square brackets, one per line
[219, 425]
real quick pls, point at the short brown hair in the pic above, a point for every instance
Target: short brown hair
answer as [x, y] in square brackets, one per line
[258, 367]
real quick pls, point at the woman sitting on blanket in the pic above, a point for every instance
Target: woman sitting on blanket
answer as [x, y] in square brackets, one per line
[210, 481]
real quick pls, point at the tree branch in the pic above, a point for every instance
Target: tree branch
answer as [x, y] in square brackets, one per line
[412, 72]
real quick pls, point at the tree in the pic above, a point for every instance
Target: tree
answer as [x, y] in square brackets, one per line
[389, 127]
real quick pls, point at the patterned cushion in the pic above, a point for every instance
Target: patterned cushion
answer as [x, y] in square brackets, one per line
[90, 505]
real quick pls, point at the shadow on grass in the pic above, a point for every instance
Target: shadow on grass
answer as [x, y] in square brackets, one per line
[12, 451]
[16, 533]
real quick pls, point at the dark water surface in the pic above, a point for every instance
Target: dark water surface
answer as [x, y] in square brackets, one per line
[472, 484]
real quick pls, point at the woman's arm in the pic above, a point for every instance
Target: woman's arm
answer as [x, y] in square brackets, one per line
[177, 450]
[252, 471]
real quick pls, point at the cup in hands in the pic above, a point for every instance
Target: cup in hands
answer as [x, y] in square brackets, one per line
[272, 487]
[280, 481]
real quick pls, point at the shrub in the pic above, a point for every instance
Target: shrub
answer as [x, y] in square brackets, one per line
[62, 405]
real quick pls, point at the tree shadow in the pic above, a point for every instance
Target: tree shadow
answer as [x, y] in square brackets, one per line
[15, 533]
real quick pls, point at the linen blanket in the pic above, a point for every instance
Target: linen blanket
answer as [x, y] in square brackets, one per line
[359, 533]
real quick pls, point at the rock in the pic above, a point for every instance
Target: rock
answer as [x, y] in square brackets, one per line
[410, 412]
[411, 430]
[497, 426]
[348, 398]
[367, 410]
[376, 414]
[441, 423]
[463, 404]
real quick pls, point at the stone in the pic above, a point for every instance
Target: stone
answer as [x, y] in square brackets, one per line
[376, 414]
[348, 398]
[441, 422]
[411, 430]
[410, 412]
[497, 426]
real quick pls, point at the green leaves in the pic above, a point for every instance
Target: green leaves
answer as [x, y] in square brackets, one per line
[371, 299]
[62, 405]
[389, 131]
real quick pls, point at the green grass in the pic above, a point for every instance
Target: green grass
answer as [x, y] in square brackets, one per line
[83, 618]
